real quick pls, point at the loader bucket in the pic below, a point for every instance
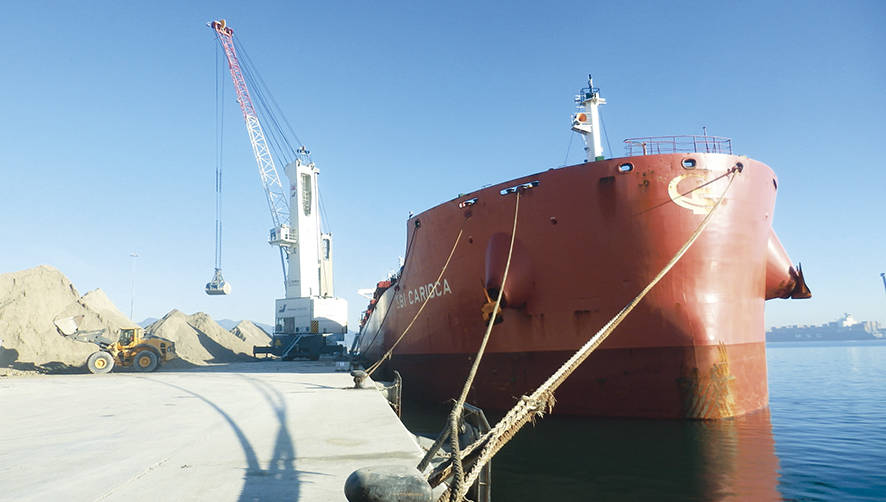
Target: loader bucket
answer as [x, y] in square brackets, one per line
[68, 325]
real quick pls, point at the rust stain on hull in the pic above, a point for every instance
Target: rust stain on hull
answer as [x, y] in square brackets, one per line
[709, 393]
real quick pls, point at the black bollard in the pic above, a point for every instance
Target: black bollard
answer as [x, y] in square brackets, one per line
[387, 483]
[359, 377]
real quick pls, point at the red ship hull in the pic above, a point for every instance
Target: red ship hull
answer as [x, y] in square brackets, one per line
[589, 237]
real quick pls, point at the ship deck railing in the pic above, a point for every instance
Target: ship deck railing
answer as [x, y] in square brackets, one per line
[677, 144]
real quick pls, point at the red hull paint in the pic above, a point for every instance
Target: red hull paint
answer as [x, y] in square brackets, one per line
[589, 238]
[661, 382]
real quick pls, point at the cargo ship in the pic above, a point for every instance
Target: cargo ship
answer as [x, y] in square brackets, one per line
[588, 238]
[845, 328]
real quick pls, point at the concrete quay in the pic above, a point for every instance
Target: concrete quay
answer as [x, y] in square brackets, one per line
[268, 430]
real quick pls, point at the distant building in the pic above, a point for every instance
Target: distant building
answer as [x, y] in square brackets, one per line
[845, 328]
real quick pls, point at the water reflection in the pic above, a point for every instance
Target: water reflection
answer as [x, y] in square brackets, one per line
[566, 458]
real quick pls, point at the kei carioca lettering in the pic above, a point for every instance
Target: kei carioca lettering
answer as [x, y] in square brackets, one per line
[423, 293]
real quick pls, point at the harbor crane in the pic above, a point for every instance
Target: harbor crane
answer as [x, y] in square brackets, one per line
[309, 311]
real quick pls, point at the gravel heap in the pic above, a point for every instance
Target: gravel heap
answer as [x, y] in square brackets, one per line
[251, 333]
[200, 340]
[30, 300]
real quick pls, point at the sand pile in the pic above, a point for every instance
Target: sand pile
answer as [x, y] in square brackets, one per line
[200, 340]
[30, 300]
[250, 333]
[98, 301]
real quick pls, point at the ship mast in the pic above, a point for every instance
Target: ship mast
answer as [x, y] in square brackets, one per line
[587, 121]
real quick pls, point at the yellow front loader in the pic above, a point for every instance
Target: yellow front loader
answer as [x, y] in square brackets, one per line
[128, 349]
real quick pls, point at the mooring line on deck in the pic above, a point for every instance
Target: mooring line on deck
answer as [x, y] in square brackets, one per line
[542, 401]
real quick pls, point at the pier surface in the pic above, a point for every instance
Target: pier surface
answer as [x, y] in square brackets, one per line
[247, 431]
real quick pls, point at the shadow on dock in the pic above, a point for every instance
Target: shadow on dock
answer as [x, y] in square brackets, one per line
[279, 480]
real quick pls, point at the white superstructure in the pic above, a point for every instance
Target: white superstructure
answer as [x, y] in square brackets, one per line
[310, 305]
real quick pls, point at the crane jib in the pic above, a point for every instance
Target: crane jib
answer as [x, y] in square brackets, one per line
[309, 311]
[278, 202]
[275, 194]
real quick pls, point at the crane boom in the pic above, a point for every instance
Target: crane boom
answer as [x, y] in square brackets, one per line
[309, 311]
[278, 202]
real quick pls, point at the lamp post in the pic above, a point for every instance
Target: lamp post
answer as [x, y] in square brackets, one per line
[132, 284]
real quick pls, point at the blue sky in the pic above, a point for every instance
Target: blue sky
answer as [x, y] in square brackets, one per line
[107, 143]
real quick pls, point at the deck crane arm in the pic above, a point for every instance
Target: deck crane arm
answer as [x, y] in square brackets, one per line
[278, 202]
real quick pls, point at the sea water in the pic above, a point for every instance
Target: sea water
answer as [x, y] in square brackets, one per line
[828, 403]
[823, 438]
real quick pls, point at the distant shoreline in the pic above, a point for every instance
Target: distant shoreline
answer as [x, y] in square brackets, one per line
[834, 341]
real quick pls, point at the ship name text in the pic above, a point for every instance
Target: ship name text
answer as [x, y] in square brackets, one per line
[423, 293]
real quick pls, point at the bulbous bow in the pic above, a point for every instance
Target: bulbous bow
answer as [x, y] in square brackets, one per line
[782, 279]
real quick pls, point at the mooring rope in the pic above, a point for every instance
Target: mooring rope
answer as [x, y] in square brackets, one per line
[542, 399]
[390, 351]
[459, 404]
